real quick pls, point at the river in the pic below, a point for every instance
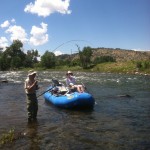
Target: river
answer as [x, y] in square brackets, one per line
[120, 119]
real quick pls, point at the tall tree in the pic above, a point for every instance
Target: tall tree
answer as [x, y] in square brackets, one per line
[48, 60]
[31, 58]
[13, 57]
[85, 56]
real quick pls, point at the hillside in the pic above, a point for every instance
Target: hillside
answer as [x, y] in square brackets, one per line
[122, 55]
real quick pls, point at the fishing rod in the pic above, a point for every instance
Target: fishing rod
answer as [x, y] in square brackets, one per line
[45, 92]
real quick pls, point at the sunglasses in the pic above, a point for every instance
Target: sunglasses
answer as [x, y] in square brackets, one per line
[69, 73]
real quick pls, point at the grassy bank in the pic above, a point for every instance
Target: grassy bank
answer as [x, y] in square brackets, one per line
[109, 67]
[120, 67]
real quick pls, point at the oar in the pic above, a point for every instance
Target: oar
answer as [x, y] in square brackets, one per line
[44, 92]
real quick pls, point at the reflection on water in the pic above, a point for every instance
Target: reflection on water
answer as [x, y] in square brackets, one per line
[32, 134]
[115, 123]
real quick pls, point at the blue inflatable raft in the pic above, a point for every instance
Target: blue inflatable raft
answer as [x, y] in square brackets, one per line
[70, 101]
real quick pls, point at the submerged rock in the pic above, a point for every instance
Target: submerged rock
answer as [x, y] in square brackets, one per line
[4, 81]
[126, 95]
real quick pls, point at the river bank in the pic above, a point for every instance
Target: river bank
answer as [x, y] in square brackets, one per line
[109, 67]
[121, 67]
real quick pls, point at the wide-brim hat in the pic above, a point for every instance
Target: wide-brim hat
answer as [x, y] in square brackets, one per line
[71, 84]
[31, 72]
[69, 72]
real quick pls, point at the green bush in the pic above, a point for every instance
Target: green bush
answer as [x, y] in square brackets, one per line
[143, 65]
[103, 59]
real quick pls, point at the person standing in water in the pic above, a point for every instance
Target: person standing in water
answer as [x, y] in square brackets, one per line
[31, 85]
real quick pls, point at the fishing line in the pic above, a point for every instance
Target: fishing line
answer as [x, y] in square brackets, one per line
[70, 42]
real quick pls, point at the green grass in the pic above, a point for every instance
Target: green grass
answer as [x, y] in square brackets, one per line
[119, 67]
[7, 137]
[109, 67]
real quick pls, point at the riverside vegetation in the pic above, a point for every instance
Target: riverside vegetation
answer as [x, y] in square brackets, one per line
[10, 136]
[88, 59]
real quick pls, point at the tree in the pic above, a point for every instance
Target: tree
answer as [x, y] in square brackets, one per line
[85, 57]
[13, 57]
[5, 61]
[75, 62]
[48, 60]
[16, 62]
[31, 58]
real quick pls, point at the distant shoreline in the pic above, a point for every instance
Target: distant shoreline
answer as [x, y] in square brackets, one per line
[109, 67]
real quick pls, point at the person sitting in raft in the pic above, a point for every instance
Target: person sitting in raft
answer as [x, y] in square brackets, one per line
[74, 88]
[71, 83]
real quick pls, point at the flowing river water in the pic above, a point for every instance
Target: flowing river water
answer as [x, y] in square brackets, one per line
[120, 119]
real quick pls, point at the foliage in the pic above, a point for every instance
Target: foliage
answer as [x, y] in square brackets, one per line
[103, 59]
[75, 62]
[13, 56]
[48, 60]
[121, 67]
[31, 58]
[64, 62]
[143, 65]
[85, 57]
[7, 137]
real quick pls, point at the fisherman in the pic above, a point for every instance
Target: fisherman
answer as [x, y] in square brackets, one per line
[31, 85]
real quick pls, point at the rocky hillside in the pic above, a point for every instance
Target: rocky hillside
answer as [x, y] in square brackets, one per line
[122, 55]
